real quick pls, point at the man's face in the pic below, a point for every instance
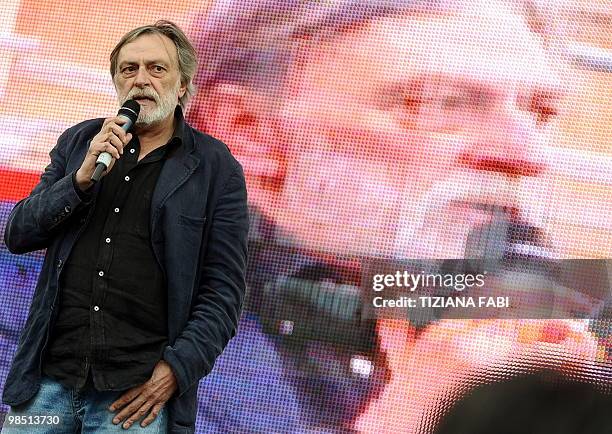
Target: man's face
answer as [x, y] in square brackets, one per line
[412, 128]
[147, 71]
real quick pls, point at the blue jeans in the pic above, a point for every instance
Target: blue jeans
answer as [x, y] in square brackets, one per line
[57, 409]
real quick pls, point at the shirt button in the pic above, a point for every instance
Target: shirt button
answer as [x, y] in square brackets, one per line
[96, 308]
[127, 178]
[116, 209]
[100, 273]
[67, 209]
[107, 240]
[132, 150]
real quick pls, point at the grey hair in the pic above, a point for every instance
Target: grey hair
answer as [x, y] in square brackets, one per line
[253, 42]
[186, 53]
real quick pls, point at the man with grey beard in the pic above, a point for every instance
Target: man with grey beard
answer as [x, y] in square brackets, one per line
[143, 279]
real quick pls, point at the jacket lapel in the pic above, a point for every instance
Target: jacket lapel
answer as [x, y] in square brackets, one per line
[175, 171]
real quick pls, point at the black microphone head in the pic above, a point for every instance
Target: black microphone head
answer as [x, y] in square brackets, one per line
[130, 110]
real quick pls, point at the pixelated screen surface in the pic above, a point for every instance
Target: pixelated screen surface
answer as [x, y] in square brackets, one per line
[369, 132]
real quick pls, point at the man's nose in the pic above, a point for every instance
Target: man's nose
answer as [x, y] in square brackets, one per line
[142, 77]
[506, 145]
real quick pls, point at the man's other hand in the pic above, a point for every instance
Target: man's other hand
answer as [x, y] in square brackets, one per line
[146, 399]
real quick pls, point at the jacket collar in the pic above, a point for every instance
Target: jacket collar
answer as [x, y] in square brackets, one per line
[178, 167]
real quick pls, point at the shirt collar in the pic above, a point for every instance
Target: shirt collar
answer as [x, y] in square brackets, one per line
[177, 136]
[179, 126]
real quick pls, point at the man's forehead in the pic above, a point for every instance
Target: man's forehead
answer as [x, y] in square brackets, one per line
[493, 47]
[148, 46]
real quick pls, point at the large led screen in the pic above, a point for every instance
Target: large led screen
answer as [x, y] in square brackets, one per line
[397, 154]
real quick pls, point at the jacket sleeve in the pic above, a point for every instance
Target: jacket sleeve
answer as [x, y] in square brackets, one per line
[35, 220]
[221, 290]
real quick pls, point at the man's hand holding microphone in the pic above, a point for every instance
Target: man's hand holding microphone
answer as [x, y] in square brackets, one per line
[107, 146]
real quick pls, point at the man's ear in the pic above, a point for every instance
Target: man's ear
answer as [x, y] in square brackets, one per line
[182, 90]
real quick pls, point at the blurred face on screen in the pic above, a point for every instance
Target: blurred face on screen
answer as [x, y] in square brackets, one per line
[402, 135]
[413, 128]
[409, 132]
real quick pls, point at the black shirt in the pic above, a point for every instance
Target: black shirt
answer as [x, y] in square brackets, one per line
[111, 328]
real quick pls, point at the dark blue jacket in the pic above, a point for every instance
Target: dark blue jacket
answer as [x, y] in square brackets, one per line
[199, 226]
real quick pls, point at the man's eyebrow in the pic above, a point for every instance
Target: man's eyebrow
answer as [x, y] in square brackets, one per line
[126, 63]
[150, 62]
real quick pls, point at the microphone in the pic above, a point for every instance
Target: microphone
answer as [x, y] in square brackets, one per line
[129, 111]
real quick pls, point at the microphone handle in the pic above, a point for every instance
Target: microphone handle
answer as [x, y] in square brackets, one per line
[100, 168]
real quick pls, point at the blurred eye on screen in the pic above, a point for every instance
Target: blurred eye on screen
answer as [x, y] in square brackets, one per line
[545, 111]
[435, 106]
[542, 105]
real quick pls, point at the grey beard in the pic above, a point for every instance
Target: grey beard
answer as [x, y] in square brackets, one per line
[164, 108]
